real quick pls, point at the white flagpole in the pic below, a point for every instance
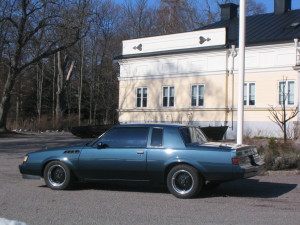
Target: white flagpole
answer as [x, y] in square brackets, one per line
[242, 34]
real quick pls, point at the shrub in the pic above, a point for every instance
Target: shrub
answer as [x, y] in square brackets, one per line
[281, 156]
[277, 154]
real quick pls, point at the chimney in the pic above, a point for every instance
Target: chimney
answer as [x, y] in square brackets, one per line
[281, 6]
[228, 11]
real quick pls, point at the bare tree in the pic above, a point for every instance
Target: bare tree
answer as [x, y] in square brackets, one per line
[173, 16]
[208, 11]
[105, 42]
[138, 19]
[279, 116]
[35, 21]
[32, 32]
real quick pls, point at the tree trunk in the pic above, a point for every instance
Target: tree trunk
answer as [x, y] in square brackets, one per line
[80, 84]
[5, 101]
[53, 92]
[284, 123]
[18, 100]
[62, 84]
[40, 81]
[91, 92]
[58, 109]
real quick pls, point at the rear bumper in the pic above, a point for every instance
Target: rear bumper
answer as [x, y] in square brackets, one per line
[253, 171]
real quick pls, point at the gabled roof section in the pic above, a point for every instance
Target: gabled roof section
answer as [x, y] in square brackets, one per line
[262, 29]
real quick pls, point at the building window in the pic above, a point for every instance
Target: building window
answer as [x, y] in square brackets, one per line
[141, 97]
[197, 95]
[286, 92]
[249, 94]
[168, 96]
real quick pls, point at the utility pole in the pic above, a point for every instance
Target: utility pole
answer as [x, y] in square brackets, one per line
[242, 38]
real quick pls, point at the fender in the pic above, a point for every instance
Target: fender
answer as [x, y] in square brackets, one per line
[70, 160]
[175, 161]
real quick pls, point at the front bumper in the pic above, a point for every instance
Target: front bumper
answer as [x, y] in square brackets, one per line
[27, 176]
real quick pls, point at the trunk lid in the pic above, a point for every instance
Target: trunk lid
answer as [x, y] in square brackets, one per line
[244, 155]
[247, 156]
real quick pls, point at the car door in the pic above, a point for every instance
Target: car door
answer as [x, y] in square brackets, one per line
[120, 154]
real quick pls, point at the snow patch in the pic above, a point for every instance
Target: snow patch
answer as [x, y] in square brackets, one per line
[4, 221]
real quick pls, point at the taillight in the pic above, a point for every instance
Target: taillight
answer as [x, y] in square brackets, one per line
[235, 161]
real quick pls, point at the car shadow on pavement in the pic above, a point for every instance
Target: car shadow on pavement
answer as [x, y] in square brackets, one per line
[249, 188]
[122, 187]
[241, 188]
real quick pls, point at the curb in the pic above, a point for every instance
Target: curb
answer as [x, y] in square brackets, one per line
[281, 173]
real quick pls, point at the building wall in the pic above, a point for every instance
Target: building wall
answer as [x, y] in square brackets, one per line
[266, 66]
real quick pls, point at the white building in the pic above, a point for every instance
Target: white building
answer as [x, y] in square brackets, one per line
[192, 77]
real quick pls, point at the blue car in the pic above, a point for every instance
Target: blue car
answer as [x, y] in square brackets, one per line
[176, 155]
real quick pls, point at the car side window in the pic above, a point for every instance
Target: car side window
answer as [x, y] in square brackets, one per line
[157, 137]
[126, 137]
[192, 136]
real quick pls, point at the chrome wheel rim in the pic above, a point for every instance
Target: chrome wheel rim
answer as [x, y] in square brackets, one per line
[56, 175]
[182, 182]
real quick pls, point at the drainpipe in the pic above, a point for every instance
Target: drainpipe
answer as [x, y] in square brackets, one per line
[227, 89]
[233, 54]
[297, 68]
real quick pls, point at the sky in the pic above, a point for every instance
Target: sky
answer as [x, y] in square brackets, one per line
[268, 3]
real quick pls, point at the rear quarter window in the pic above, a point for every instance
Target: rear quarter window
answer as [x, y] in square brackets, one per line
[192, 136]
[157, 137]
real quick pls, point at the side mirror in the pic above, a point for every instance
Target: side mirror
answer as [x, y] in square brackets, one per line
[101, 145]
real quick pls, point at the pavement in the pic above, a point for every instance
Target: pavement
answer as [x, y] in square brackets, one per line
[270, 199]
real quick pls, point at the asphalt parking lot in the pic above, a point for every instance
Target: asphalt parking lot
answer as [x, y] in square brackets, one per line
[271, 199]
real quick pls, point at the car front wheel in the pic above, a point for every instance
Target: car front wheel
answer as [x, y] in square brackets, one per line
[57, 175]
[184, 181]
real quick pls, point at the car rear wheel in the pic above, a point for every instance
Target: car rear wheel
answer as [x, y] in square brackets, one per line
[184, 181]
[57, 175]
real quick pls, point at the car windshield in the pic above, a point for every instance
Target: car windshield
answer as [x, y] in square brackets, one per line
[192, 136]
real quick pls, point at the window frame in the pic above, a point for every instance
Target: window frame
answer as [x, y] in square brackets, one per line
[287, 82]
[168, 96]
[197, 96]
[141, 98]
[248, 94]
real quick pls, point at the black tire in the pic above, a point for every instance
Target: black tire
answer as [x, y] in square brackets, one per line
[57, 176]
[184, 181]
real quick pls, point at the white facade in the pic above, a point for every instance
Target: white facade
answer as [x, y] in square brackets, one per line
[200, 57]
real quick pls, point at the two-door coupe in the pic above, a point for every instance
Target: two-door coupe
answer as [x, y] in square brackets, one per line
[177, 155]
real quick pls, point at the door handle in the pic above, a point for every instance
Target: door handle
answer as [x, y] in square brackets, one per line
[140, 152]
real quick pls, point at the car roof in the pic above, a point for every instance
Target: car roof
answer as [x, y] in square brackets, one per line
[153, 125]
